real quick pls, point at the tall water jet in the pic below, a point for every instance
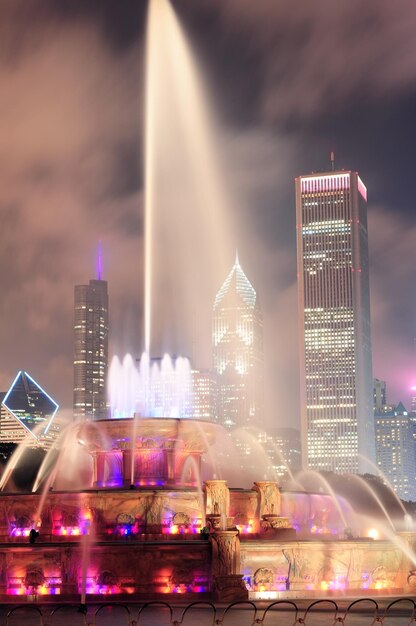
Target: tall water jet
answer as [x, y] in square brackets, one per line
[185, 205]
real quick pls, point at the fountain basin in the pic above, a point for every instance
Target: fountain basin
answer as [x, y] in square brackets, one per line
[177, 536]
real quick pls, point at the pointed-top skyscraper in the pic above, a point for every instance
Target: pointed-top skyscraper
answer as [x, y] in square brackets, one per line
[91, 347]
[237, 338]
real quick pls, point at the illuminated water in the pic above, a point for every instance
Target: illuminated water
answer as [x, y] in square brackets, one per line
[158, 388]
[186, 244]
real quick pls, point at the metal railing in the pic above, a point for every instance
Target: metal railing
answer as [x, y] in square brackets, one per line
[278, 613]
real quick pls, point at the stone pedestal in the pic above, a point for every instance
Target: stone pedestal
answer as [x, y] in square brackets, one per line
[230, 588]
[228, 584]
[126, 462]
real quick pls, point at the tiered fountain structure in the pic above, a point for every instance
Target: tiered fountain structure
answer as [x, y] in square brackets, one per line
[160, 531]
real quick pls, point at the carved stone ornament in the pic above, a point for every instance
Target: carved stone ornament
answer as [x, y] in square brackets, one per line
[181, 519]
[268, 498]
[125, 519]
[34, 577]
[263, 576]
[107, 578]
[217, 497]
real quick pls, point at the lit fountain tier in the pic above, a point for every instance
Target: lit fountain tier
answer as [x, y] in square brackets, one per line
[167, 452]
[172, 534]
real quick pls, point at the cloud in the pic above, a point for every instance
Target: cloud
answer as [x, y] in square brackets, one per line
[69, 121]
[317, 57]
[393, 309]
[70, 173]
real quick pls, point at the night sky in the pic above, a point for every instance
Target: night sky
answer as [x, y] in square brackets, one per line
[290, 82]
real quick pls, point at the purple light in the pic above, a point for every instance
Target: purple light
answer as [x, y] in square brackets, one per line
[99, 261]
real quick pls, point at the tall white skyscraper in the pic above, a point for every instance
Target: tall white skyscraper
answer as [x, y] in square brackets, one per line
[237, 338]
[337, 422]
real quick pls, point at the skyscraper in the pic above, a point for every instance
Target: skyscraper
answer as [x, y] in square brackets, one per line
[91, 349]
[334, 322]
[237, 337]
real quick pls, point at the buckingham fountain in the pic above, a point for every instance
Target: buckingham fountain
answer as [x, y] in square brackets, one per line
[139, 506]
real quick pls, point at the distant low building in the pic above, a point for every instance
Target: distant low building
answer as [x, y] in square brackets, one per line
[395, 449]
[27, 413]
[204, 392]
[379, 393]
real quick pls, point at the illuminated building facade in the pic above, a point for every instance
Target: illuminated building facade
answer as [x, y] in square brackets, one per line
[413, 399]
[204, 392]
[237, 337]
[27, 413]
[395, 448]
[379, 392]
[337, 425]
[91, 350]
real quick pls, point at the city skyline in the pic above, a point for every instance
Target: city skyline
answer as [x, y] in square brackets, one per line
[72, 169]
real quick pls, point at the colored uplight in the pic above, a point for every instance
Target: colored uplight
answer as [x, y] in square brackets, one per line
[70, 531]
[149, 482]
[20, 532]
[182, 529]
[338, 584]
[380, 584]
[93, 588]
[246, 529]
[373, 534]
[51, 587]
[319, 530]
[83, 527]
[365, 578]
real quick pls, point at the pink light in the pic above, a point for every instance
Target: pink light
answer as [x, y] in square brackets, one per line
[362, 188]
[327, 182]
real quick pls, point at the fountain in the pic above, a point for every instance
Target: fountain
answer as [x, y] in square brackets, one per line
[138, 506]
[181, 529]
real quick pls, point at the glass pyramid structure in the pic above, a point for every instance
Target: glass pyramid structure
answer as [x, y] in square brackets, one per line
[30, 405]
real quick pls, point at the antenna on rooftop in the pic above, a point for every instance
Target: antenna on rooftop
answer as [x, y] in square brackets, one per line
[99, 261]
[333, 160]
